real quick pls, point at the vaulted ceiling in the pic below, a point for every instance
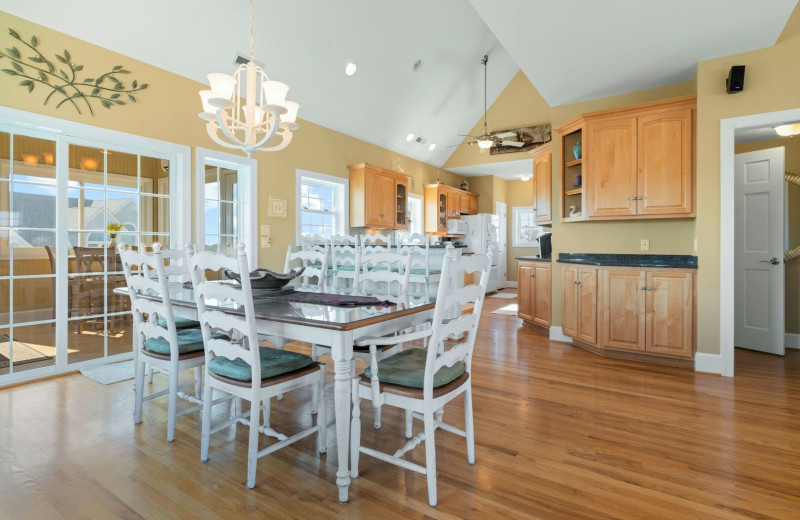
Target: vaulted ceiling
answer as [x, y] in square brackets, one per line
[570, 51]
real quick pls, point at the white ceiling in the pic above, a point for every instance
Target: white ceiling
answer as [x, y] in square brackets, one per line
[574, 50]
[585, 49]
[761, 133]
[509, 170]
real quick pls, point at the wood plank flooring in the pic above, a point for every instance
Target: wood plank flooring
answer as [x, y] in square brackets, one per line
[560, 433]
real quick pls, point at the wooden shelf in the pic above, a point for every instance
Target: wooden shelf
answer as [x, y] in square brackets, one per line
[573, 219]
[576, 191]
[573, 163]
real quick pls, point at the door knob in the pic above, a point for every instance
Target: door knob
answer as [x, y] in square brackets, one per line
[773, 261]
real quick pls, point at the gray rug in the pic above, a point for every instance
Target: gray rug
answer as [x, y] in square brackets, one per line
[23, 353]
[503, 295]
[109, 374]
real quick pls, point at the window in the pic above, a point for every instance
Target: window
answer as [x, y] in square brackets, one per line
[226, 193]
[414, 217]
[525, 231]
[321, 204]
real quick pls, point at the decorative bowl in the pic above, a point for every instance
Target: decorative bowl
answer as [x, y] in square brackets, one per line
[266, 279]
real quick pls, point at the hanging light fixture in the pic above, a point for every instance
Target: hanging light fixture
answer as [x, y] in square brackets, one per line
[788, 130]
[484, 140]
[255, 120]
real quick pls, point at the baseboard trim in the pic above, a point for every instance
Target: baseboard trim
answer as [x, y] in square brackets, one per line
[512, 284]
[557, 334]
[791, 340]
[711, 363]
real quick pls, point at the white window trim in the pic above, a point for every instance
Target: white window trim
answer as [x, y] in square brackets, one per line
[343, 185]
[248, 196]
[515, 222]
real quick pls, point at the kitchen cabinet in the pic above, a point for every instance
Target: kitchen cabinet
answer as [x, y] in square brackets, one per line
[443, 203]
[542, 184]
[669, 304]
[579, 303]
[534, 299]
[378, 197]
[624, 309]
[611, 159]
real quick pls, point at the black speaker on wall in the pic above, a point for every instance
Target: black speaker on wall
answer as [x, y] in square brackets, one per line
[735, 81]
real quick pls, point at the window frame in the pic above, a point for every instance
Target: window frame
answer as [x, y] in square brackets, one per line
[341, 187]
[517, 213]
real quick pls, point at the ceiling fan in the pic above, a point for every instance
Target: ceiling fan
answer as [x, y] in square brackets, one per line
[485, 140]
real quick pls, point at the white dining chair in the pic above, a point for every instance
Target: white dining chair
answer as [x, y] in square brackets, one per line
[376, 243]
[238, 366]
[314, 242]
[422, 381]
[157, 342]
[343, 260]
[316, 266]
[421, 271]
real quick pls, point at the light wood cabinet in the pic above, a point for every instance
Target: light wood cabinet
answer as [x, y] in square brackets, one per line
[469, 203]
[611, 159]
[542, 184]
[579, 311]
[624, 309]
[534, 298]
[670, 313]
[378, 197]
[443, 203]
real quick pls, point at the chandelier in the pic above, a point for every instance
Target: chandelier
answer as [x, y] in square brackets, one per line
[255, 120]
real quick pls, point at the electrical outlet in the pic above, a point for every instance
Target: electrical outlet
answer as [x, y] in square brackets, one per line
[265, 242]
[266, 229]
[644, 244]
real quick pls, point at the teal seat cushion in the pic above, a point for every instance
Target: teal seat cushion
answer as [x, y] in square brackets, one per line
[180, 323]
[274, 362]
[421, 272]
[189, 340]
[407, 368]
[350, 268]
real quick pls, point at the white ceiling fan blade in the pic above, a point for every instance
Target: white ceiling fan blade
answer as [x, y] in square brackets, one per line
[506, 134]
[518, 144]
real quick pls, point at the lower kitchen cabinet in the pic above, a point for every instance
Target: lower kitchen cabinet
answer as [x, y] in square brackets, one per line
[534, 285]
[579, 310]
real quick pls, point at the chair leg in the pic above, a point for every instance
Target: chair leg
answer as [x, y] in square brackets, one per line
[172, 406]
[322, 412]
[266, 406]
[468, 428]
[409, 422]
[355, 430]
[377, 414]
[198, 381]
[252, 448]
[315, 399]
[314, 352]
[430, 456]
[139, 387]
[149, 374]
[205, 431]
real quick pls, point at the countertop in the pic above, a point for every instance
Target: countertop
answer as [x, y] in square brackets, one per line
[674, 261]
[534, 259]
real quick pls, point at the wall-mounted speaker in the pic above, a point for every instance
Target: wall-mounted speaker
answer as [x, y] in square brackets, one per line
[735, 81]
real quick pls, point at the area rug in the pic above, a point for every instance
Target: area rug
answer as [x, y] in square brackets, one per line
[510, 310]
[109, 374]
[508, 296]
[23, 353]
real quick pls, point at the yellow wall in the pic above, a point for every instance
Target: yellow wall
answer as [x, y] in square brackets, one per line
[792, 281]
[520, 104]
[773, 76]
[518, 193]
[168, 110]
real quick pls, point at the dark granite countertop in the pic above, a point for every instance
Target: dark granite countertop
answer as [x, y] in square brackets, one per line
[534, 258]
[602, 259]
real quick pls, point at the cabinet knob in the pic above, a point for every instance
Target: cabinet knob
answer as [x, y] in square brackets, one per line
[642, 288]
[533, 275]
[633, 198]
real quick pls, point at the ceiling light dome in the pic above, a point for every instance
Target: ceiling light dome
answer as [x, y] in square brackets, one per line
[350, 68]
[525, 178]
[432, 147]
[485, 143]
[788, 130]
[410, 137]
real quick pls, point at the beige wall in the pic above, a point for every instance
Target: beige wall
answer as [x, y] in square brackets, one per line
[792, 281]
[771, 84]
[168, 110]
[518, 193]
[520, 104]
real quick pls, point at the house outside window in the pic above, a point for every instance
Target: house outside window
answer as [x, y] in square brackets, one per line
[524, 228]
[322, 205]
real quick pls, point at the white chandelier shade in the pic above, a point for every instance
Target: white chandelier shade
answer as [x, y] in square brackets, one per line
[247, 110]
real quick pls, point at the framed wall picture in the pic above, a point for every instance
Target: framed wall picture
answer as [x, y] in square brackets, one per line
[277, 207]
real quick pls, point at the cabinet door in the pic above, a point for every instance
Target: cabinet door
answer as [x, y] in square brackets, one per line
[587, 305]
[524, 283]
[543, 194]
[464, 208]
[665, 163]
[624, 309]
[473, 204]
[610, 167]
[453, 204]
[670, 313]
[540, 297]
[401, 205]
[374, 200]
[442, 211]
[569, 309]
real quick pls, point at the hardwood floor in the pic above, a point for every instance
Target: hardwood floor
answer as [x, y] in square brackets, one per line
[560, 433]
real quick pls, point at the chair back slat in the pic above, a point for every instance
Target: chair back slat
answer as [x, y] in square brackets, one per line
[462, 296]
[315, 263]
[383, 273]
[313, 242]
[376, 242]
[243, 345]
[458, 326]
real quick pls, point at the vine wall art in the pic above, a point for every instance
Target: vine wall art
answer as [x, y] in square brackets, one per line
[61, 79]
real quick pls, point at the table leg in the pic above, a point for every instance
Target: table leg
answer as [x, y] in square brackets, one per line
[342, 353]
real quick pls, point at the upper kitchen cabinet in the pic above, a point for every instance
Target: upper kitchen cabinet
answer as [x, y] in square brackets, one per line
[638, 162]
[378, 197]
[445, 202]
[542, 185]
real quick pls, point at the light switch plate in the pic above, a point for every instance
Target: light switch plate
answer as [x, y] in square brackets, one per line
[265, 242]
[644, 245]
[266, 229]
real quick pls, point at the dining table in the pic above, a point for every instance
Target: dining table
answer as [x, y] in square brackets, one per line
[329, 320]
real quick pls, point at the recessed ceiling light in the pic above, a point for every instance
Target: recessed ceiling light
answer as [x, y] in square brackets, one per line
[788, 130]
[410, 137]
[525, 178]
[431, 147]
[350, 68]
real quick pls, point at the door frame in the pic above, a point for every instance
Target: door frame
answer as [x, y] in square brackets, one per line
[727, 310]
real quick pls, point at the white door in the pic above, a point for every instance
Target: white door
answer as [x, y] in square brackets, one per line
[758, 262]
[502, 239]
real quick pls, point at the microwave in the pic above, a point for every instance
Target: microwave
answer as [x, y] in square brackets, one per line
[456, 226]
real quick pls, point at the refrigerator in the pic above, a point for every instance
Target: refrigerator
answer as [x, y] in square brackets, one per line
[483, 232]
